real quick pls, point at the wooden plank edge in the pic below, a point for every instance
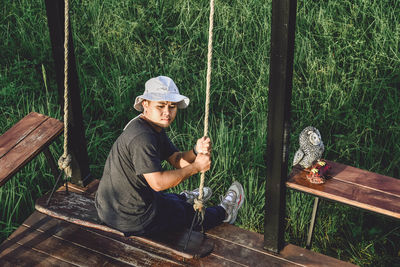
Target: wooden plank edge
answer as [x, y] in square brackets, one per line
[343, 200]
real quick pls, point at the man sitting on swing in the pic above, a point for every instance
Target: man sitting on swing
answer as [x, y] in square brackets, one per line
[129, 196]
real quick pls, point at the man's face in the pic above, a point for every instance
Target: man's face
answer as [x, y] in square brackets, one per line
[160, 113]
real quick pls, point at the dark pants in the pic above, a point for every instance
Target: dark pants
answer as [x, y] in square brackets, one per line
[175, 213]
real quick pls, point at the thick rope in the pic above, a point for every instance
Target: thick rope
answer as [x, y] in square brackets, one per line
[65, 160]
[198, 203]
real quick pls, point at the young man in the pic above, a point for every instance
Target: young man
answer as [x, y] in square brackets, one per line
[129, 196]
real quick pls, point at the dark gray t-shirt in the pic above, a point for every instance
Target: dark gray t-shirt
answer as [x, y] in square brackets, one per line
[124, 199]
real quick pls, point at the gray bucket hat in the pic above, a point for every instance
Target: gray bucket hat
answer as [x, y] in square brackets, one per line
[161, 88]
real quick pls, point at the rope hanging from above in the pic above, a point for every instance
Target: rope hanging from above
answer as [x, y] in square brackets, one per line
[198, 203]
[65, 160]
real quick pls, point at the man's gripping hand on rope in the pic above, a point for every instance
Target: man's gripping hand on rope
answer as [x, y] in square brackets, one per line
[186, 163]
[203, 146]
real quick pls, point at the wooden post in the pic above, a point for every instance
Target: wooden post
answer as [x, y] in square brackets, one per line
[279, 99]
[55, 20]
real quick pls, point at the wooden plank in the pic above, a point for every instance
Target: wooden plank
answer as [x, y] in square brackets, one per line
[349, 193]
[79, 209]
[213, 260]
[28, 148]
[19, 131]
[365, 178]
[245, 256]
[97, 243]
[90, 249]
[291, 255]
[46, 243]
[13, 254]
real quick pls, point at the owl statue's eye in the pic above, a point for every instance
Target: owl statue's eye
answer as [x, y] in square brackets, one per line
[314, 139]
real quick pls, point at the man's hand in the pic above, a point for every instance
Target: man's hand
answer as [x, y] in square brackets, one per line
[186, 164]
[203, 146]
[202, 162]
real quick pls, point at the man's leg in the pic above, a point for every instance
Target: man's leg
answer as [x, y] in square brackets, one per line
[174, 213]
[213, 216]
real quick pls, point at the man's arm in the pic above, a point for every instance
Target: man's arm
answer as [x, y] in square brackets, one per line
[163, 180]
[183, 159]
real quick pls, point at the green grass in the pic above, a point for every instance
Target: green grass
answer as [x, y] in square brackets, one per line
[346, 82]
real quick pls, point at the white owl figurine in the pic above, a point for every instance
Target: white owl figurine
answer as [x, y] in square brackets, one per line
[311, 147]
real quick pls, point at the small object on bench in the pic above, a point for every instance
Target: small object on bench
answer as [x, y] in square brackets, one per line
[318, 173]
[310, 149]
[80, 209]
[27, 138]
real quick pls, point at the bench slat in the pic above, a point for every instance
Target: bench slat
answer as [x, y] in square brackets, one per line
[293, 255]
[365, 178]
[348, 191]
[19, 131]
[28, 147]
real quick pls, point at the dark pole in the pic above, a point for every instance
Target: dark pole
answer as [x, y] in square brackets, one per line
[279, 98]
[55, 20]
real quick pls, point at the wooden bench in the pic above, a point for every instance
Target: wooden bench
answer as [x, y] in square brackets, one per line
[27, 138]
[352, 186]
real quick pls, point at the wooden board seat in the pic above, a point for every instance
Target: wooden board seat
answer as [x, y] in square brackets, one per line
[22, 142]
[359, 188]
[79, 208]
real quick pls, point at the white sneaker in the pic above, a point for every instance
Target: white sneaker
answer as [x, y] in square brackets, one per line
[192, 195]
[232, 201]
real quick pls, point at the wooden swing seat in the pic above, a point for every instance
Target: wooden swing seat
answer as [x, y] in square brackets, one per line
[79, 208]
[27, 138]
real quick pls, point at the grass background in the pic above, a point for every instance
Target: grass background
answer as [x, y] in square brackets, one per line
[346, 82]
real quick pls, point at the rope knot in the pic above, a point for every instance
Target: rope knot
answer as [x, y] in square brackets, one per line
[64, 164]
[198, 204]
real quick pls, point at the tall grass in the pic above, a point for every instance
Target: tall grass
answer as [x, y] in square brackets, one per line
[346, 83]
